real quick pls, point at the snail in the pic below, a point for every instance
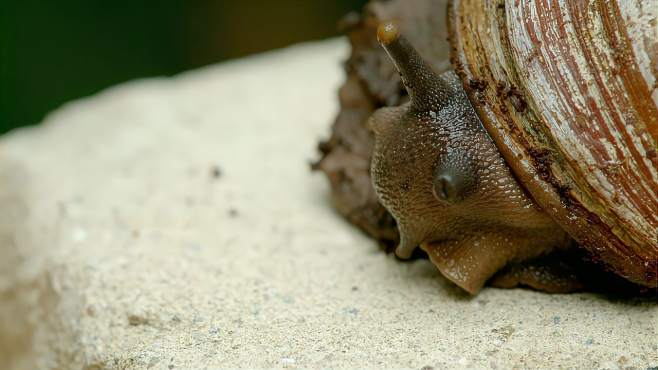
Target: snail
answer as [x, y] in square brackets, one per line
[541, 139]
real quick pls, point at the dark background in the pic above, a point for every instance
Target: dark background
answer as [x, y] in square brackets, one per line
[55, 51]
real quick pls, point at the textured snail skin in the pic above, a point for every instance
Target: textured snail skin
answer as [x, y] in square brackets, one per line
[440, 175]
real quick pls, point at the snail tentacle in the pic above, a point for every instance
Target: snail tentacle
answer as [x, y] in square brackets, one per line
[426, 89]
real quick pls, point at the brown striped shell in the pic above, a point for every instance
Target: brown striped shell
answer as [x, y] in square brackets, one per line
[568, 90]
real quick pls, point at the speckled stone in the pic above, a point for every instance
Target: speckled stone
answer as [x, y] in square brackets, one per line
[174, 224]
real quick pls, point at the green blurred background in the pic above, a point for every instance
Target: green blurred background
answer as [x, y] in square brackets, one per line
[55, 51]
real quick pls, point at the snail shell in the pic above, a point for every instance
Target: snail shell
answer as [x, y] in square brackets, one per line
[568, 91]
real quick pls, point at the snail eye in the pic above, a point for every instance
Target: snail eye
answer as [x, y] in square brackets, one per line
[445, 188]
[454, 179]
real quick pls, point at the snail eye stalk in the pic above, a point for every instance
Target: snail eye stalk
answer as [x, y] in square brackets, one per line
[426, 89]
[455, 177]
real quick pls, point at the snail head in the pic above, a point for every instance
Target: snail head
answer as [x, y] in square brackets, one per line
[442, 178]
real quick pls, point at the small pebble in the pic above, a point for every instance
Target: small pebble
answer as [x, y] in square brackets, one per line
[153, 361]
[287, 361]
[79, 235]
[215, 172]
[136, 320]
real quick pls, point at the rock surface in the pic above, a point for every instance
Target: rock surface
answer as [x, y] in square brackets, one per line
[174, 223]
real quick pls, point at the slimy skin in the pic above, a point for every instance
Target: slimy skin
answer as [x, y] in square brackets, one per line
[440, 175]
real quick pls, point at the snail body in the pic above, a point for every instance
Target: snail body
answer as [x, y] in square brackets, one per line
[542, 138]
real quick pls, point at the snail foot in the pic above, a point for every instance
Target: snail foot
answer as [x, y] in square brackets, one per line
[549, 274]
[472, 262]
